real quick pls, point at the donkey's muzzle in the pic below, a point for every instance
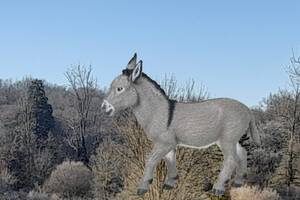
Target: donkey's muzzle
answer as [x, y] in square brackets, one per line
[107, 108]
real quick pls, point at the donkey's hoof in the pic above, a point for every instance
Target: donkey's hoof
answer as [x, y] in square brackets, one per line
[168, 187]
[141, 192]
[217, 192]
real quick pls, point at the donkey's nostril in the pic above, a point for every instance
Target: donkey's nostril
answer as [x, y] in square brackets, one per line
[103, 106]
[110, 112]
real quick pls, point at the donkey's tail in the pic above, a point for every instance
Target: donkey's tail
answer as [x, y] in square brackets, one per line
[254, 132]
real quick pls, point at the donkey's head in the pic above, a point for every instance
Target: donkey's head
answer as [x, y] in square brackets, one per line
[122, 93]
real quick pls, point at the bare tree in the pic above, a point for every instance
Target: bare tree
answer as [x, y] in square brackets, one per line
[285, 107]
[82, 86]
[29, 160]
[190, 92]
[294, 74]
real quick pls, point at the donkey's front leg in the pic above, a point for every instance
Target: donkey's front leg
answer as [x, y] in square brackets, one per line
[158, 152]
[172, 175]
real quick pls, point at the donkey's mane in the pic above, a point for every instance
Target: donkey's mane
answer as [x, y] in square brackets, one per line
[171, 102]
[127, 72]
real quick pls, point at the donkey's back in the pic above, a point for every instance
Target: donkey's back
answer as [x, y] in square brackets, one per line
[211, 121]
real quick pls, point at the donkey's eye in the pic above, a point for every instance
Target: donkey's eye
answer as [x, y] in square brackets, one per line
[120, 89]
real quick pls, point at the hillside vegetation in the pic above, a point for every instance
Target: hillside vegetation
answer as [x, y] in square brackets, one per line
[57, 144]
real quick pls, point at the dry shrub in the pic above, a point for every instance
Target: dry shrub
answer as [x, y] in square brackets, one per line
[108, 167]
[197, 169]
[13, 195]
[69, 179]
[6, 179]
[38, 195]
[296, 181]
[246, 192]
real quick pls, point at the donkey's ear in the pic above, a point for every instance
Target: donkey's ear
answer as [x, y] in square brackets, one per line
[137, 71]
[132, 62]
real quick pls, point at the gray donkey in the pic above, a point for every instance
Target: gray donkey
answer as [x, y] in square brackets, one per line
[170, 124]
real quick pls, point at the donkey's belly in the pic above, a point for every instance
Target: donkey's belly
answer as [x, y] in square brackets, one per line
[199, 141]
[198, 137]
[198, 147]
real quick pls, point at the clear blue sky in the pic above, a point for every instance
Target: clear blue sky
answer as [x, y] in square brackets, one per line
[236, 49]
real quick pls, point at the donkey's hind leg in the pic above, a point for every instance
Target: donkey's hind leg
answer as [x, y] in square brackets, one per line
[172, 175]
[241, 170]
[229, 166]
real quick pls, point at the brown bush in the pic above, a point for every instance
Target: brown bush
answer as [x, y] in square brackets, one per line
[69, 179]
[246, 192]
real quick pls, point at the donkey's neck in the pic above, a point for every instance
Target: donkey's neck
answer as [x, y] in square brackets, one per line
[152, 109]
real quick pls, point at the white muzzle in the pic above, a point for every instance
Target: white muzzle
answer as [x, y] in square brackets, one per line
[107, 108]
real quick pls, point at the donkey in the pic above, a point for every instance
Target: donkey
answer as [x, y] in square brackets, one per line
[169, 124]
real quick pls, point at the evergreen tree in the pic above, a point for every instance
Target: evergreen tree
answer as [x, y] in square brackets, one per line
[40, 112]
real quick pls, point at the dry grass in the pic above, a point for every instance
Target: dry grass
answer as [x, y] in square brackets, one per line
[248, 192]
